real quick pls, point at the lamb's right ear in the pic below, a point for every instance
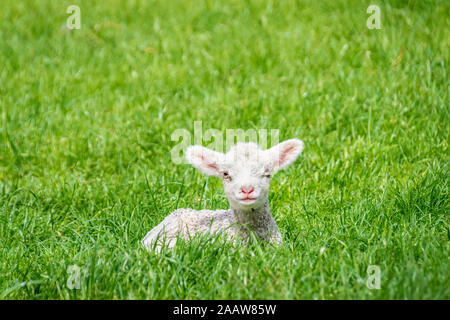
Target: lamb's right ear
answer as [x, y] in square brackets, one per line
[284, 154]
[204, 159]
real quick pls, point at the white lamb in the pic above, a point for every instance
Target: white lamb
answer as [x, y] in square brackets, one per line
[245, 171]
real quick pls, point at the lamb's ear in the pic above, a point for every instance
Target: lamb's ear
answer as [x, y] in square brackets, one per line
[284, 154]
[204, 159]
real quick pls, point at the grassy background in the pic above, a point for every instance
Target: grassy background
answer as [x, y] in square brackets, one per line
[85, 167]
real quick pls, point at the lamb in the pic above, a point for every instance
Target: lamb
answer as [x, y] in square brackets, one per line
[245, 171]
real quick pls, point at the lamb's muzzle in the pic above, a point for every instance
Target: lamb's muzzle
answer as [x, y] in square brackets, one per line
[245, 171]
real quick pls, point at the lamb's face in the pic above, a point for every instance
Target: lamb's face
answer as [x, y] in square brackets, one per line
[246, 173]
[246, 169]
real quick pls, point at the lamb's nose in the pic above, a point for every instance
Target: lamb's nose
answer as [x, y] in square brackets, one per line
[248, 190]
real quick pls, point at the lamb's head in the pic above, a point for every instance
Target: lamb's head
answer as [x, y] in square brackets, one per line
[245, 169]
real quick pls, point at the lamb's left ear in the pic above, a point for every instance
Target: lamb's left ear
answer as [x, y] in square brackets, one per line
[204, 159]
[284, 154]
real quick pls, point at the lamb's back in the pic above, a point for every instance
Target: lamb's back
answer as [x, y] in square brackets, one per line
[187, 222]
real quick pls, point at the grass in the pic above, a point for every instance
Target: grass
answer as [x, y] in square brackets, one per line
[85, 167]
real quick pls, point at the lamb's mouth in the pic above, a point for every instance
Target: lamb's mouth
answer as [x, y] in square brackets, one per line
[247, 200]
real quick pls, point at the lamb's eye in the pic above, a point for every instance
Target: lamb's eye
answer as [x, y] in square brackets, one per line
[266, 174]
[226, 175]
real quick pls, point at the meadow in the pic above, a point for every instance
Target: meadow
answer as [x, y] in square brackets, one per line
[86, 118]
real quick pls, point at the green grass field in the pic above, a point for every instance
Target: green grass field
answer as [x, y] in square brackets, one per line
[86, 118]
